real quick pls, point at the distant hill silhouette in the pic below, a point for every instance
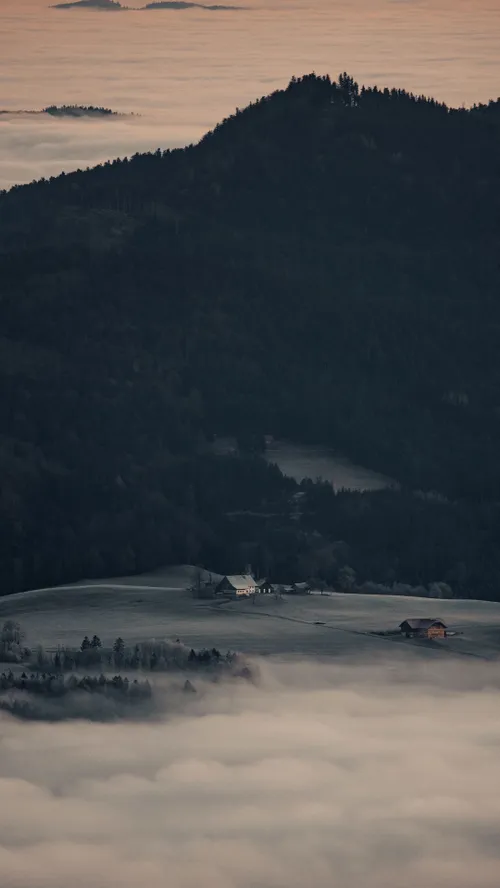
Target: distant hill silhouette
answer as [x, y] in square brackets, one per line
[322, 266]
[111, 5]
[114, 5]
[78, 111]
[185, 4]
[68, 111]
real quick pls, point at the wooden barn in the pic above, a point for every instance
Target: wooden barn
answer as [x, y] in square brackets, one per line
[423, 628]
[236, 586]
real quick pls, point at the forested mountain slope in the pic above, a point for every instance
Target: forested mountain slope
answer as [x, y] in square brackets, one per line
[324, 265]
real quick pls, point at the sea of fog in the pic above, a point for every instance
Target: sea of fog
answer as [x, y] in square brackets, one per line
[350, 775]
[183, 70]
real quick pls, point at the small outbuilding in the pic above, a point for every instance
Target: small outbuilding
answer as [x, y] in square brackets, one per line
[236, 586]
[296, 589]
[423, 628]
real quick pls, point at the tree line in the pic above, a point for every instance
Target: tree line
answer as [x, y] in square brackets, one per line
[152, 655]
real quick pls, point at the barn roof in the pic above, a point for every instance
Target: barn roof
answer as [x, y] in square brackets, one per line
[423, 623]
[241, 581]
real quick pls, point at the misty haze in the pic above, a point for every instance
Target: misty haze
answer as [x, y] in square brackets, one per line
[346, 775]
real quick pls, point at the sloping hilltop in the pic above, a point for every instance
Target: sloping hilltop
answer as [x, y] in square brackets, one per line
[322, 267]
[160, 606]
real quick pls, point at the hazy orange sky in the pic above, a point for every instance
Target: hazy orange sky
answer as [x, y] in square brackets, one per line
[183, 70]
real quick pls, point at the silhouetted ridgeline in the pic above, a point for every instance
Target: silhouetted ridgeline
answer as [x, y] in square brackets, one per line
[323, 266]
[185, 4]
[111, 5]
[68, 111]
[79, 111]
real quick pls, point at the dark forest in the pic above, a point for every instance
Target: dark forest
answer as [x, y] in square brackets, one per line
[323, 266]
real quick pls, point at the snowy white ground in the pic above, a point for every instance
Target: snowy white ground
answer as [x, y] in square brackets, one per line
[159, 606]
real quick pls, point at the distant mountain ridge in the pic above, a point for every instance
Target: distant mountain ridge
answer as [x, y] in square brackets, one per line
[322, 266]
[187, 4]
[69, 111]
[108, 5]
[115, 6]
[79, 111]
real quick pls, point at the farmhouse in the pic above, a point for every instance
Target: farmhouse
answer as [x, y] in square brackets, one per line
[423, 628]
[236, 586]
[265, 587]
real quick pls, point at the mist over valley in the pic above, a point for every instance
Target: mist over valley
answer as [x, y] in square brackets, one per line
[280, 782]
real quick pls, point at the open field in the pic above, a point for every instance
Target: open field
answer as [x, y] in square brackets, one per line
[301, 461]
[159, 606]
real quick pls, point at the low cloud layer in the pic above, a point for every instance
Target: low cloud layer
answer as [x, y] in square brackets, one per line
[328, 776]
[32, 146]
